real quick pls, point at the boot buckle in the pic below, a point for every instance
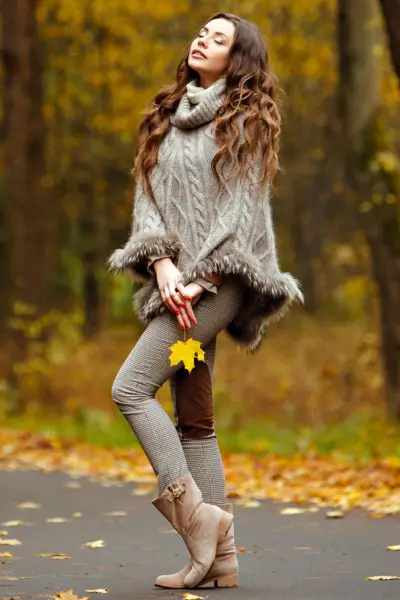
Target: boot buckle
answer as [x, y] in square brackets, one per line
[177, 491]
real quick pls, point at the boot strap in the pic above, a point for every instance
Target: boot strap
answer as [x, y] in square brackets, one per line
[175, 491]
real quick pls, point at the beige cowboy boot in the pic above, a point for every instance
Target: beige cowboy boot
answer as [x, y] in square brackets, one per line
[202, 526]
[224, 570]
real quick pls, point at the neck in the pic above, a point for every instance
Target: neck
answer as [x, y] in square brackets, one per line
[207, 80]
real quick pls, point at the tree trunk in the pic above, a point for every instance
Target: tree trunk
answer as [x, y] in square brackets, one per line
[372, 180]
[23, 131]
[391, 13]
[24, 151]
[90, 252]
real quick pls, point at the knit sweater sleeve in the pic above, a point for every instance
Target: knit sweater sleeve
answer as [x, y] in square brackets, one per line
[149, 239]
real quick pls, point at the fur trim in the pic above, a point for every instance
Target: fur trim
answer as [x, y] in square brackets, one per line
[266, 298]
[134, 255]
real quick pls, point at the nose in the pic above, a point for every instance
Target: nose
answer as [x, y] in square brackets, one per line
[201, 42]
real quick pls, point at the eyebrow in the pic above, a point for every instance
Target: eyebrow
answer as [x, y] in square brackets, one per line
[217, 32]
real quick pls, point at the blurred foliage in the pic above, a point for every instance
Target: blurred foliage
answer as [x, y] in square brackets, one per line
[360, 437]
[103, 62]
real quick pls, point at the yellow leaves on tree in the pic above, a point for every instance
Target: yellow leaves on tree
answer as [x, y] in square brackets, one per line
[186, 352]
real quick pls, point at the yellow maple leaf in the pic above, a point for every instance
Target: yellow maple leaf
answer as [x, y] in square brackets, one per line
[186, 352]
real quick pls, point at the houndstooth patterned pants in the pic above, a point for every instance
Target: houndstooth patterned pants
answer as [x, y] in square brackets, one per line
[147, 368]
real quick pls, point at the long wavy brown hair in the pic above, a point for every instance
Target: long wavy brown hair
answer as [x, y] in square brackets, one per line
[250, 97]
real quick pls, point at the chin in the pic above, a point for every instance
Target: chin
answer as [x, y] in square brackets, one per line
[194, 67]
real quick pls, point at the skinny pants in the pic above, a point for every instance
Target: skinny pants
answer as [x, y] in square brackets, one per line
[189, 444]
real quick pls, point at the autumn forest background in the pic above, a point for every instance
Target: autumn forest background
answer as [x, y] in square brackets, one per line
[76, 78]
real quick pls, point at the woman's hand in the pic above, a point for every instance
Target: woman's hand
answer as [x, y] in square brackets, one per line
[168, 280]
[174, 294]
[193, 291]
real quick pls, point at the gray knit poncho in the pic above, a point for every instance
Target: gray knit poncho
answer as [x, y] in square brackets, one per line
[203, 230]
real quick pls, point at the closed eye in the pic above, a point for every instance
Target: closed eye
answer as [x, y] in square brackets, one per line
[219, 42]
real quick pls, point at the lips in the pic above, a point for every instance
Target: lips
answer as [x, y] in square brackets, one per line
[198, 54]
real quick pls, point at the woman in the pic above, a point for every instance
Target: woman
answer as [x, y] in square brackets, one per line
[203, 244]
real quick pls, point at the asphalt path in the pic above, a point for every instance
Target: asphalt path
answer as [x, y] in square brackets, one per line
[297, 557]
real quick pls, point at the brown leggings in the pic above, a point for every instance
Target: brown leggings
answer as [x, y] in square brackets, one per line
[194, 419]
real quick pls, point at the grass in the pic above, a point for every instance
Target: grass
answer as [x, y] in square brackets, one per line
[361, 436]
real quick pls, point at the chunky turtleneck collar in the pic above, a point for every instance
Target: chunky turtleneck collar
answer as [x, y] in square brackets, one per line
[199, 105]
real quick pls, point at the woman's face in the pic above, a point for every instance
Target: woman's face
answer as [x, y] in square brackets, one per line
[209, 51]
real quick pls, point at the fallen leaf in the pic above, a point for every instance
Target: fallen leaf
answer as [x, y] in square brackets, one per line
[248, 503]
[142, 490]
[186, 352]
[29, 505]
[98, 591]
[116, 513]
[383, 577]
[3, 533]
[55, 555]
[301, 479]
[95, 544]
[15, 523]
[70, 595]
[251, 504]
[393, 548]
[334, 514]
[56, 520]
[293, 510]
[9, 542]
[77, 515]
[5, 555]
[189, 596]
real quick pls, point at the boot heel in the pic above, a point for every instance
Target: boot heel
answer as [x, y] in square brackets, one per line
[227, 581]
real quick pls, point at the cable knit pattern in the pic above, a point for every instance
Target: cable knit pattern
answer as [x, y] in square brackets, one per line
[205, 231]
[196, 188]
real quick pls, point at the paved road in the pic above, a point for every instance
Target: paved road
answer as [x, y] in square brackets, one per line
[298, 557]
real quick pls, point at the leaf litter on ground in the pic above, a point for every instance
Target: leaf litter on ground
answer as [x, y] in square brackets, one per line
[305, 478]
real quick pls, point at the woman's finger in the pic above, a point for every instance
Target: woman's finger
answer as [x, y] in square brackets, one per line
[185, 317]
[190, 313]
[180, 320]
[169, 301]
[175, 298]
[182, 291]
